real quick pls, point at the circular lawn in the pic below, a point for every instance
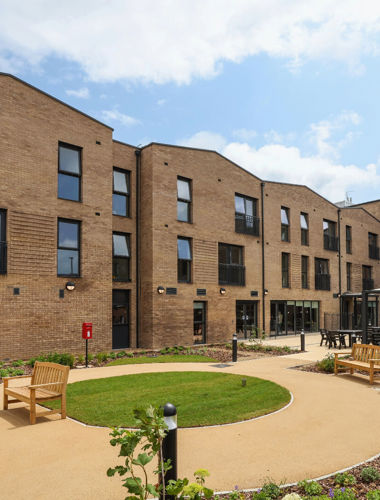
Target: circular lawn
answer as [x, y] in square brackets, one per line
[201, 398]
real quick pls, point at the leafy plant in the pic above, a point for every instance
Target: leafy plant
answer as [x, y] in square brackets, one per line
[121, 354]
[17, 363]
[148, 439]
[90, 357]
[327, 364]
[344, 494]
[101, 357]
[370, 475]
[112, 355]
[80, 359]
[271, 490]
[54, 357]
[345, 479]
[373, 495]
[311, 488]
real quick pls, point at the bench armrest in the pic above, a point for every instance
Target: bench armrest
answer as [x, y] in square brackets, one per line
[374, 360]
[7, 379]
[336, 354]
[37, 386]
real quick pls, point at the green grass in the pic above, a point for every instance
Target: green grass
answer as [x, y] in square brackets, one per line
[201, 398]
[167, 358]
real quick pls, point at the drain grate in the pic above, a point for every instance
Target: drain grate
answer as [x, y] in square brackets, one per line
[222, 365]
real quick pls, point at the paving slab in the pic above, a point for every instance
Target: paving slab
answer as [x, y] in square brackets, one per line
[332, 423]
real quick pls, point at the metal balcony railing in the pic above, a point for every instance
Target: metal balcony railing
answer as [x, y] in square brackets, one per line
[3, 257]
[247, 224]
[322, 282]
[368, 284]
[374, 252]
[330, 242]
[231, 274]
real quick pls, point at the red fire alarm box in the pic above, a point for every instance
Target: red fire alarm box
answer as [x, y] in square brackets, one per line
[86, 330]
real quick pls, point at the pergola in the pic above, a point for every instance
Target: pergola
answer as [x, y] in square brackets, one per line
[365, 295]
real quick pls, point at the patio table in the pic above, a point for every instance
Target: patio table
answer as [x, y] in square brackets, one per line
[350, 333]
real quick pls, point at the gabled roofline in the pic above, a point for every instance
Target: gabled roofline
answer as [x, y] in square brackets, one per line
[9, 75]
[353, 207]
[304, 186]
[364, 203]
[203, 150]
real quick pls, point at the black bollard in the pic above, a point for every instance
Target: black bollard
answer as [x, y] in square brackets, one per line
[234, 348]
[169, 445]
[302, 336]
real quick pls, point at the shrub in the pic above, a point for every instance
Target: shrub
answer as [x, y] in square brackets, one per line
[344, 494]
[270, 490]
[327, 364]
[17, 363]
[10, 372]
[373, 495]
[101, 357]
[370, 475]
[80, 359]
[90, 357]
[112, 355]
[120, 354]
[54, 357]
[311, 488]
[345, 479]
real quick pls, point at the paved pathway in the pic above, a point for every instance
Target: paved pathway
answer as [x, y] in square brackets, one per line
[333, 423]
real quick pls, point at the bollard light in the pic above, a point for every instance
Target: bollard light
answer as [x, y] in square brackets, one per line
[302, 336]
[234, 348]
[169, 446]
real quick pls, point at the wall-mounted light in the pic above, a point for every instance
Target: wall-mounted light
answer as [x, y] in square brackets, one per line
[160, 290]
[222, 291]
[266, 291]
[70, 285]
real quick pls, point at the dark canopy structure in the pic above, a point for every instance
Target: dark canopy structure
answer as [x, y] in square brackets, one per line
[365, 295]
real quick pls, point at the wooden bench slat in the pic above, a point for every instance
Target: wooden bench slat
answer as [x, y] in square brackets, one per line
[364, 357]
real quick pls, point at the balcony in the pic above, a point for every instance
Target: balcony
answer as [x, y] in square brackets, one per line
[3, 257]
[322, 282]
[247, 224]
[374, 252]
[368, 284]
[330, 242]
[231, 274]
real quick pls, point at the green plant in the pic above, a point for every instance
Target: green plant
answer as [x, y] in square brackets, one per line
[90, 357]
[326, 364]
[148, 438]
[101, 357]
[311, 488]
[236, 495]
[54, 357]
[373, 495]
[17, 363]
[80, 359]
[271, 490]
[345, 479]
[370, 475]
[344, 494]
[121, 354]
[112, 355]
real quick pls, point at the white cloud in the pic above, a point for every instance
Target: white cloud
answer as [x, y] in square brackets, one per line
[282, 163]
[114, 115]
[167, 41]
[161, 102]
[244, 134]
[82, 93]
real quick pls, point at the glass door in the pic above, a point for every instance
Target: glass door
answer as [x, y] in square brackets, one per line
[120, 319]
[246, 318]
[199, 323]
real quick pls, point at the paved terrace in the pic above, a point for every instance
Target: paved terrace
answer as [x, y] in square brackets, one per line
[333, 423]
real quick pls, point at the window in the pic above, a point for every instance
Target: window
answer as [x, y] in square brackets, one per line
[322, 276]
[245, 215]
[199, 323]
[373, 249]
[348, 273]
[120, 195]
[231, 265]
[305, 271]
[330, 241]
[304, 220]
[348, 239]
[68, 247]
[120, 256]
[3, 241]
[368, 283]
[284, 224]
[285, 270]
[69, 172]
[184, 260]
[183, 199]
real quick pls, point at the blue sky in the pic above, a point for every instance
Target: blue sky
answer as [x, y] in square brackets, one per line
[289, 90]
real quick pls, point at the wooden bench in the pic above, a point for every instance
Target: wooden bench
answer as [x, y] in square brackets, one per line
[363, 357]
[49, 381]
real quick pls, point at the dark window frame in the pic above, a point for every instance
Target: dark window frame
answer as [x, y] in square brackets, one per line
[233, 273]
[285, 227]
[285, 275]
[304, 231]
[373, 249]
[202, 323]
[367, 277]
[330, 238]
[322, 280]
[349, 239]
[78, 249]
[189, 203]
[245, 223]
[349, 275]
[128, 241]
[3, 241]
[127, 195]
[180, 262]
[305, 271]
[71, 174]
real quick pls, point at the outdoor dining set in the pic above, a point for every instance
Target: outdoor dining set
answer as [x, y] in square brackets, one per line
[337, 338]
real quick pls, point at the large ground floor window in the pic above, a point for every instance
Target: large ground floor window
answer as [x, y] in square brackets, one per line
[291, 316]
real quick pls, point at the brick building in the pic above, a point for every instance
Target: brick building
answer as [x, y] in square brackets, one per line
[163, 245]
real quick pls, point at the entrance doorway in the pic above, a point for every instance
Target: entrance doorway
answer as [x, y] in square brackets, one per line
[199, 322]
[291, 316]
[120, 319]
[246, 318]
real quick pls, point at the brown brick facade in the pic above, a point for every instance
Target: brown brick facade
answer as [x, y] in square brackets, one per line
[38, 319]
